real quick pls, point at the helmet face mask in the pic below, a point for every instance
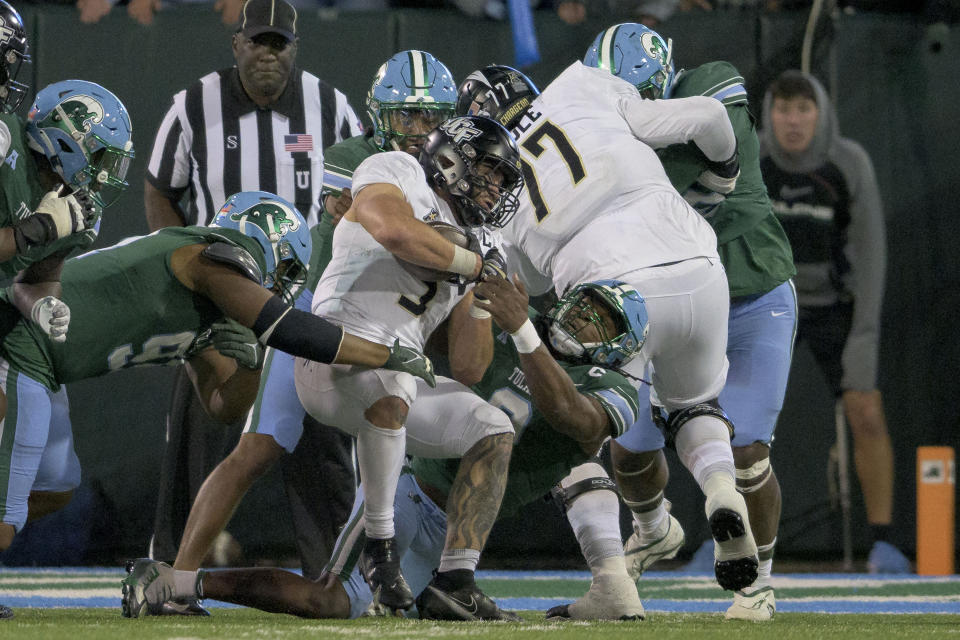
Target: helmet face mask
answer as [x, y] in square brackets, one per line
[13, 53]
[476, 161]
[637, 54]
[498, 92]
[85, 133]
[602, 323]
[281, 232]
[412, 93]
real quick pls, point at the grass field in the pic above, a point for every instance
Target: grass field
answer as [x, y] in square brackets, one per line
[82, 604]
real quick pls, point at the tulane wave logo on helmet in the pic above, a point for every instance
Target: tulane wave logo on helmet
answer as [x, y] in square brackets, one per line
[274, 218]
[84, 111]
[653, 45]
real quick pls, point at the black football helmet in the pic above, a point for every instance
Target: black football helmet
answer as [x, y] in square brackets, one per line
[499, 92]
[452, 158]
[13, 53]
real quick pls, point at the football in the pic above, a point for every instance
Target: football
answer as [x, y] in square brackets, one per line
[454, 234]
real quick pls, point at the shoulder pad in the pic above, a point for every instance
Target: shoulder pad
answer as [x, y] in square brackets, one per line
[235, 257]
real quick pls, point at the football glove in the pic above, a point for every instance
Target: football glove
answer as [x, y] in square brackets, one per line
[712, 185]
[55, 217]
[411, 361]
[53, 316]
[234, 340]
[494, 265]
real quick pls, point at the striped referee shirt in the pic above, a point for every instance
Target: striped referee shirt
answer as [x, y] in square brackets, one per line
[215, 141]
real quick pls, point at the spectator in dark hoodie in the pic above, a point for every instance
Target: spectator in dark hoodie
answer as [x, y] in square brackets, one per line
[825, 194]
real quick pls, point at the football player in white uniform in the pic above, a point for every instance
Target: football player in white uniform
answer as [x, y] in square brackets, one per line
[598, 204]
[467, 175]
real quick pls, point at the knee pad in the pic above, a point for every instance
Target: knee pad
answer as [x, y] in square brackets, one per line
[589, 476]
[677, 419]
[753, 477]
[484, 420]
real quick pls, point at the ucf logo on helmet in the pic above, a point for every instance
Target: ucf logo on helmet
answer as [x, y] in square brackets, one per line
[460, 130]
[5, 32]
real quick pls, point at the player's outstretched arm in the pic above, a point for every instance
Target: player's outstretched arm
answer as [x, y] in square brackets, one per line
[279, 325]
[568, 411]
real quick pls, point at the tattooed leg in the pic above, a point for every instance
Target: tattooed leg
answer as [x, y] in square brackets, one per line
[475, 495]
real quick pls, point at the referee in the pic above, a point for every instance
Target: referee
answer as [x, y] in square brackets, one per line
[260, 125]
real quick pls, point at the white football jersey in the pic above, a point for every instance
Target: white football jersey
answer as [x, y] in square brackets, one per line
[597, 202]
[364, 289]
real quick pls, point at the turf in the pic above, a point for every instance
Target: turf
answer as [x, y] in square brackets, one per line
[104, 624]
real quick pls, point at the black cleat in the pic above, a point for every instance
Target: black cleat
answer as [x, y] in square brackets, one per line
[468, 603]
[384, 576]
[5, 612]
[733, 573]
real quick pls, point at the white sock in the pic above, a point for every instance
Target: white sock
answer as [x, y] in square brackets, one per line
[652, 524]
[184, 584]
[459, 559]
[595, 519]
[380, 453]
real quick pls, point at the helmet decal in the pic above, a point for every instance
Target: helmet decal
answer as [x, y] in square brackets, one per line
[460, 130]
[82, 110]
[273, 217]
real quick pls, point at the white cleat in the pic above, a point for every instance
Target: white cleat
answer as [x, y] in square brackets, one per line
[610, 597]
[640, 556]
[756, 604]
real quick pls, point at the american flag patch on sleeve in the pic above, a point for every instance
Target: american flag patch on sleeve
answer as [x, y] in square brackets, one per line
[298, 142]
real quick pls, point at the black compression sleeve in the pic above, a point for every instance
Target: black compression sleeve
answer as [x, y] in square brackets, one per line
[297, 332]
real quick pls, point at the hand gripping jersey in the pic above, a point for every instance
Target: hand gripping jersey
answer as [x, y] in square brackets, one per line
[541, 456]
[753, 247]
[127, 309]
[597, 202]
[363, 289]
[20, 193]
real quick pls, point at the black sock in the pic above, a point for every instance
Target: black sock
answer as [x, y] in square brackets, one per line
[880, 532]
[454, 580]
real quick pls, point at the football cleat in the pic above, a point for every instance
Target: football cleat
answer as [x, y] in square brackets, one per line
[757, 604]
[468, 603]
[186, 608]
[640, 557]
[148, 585]
[886, 558]
[735, 554]
[5, 612]
[387, 583]
[610, 597]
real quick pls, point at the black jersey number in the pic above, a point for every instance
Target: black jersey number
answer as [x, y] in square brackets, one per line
[417, 307]
[570, 157]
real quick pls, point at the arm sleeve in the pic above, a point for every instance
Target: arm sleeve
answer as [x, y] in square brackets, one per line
[169, 167]
[866, 250]
[698, 119]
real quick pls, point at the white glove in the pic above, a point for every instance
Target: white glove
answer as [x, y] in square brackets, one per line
[703, 200]
[55, 217]
[53, 316]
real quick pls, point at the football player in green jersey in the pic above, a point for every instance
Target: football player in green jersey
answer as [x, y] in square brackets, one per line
[58, 167]
[763, 310]
[562, 410]
[157, 299]
[411, 93]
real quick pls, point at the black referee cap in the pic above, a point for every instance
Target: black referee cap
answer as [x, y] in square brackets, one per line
[268, 16]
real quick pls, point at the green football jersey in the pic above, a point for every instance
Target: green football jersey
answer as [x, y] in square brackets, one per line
[126, 309]
[20, 186]
[752, 245]
[541, 456]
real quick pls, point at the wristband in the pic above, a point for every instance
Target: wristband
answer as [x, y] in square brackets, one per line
[464, 261]
[525, 338]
